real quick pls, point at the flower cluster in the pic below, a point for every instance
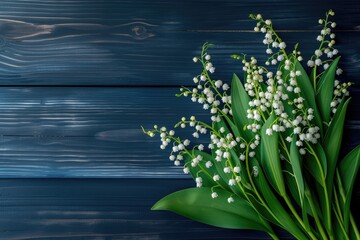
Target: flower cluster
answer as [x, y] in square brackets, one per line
[211, 93]
[275, 97]
[327, 42]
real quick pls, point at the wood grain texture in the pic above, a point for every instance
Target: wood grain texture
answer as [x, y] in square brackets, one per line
[164, 59]
[143, 43]
[95, 132]
[87, 132]
[184, 14]
[73, 161]
[99, 209]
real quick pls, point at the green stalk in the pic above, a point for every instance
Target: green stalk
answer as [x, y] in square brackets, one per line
[315, 78]
[341, 226]
[265, 222]
[337, 205]
[261, 199]
[288, 201]
[316, 217]
[273, 235]
[343, 197]
[327, 201]
[253, 184]
[254, 187]
[354, 226]
[292, 209]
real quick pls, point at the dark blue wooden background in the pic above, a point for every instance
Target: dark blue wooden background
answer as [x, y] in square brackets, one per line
[79, 77]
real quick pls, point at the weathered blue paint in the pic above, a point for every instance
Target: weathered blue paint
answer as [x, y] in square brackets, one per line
[95, 132]
[99, 209]
[79, 77]
[124, 42]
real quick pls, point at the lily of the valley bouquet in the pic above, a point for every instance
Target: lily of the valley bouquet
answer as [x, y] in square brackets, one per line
[275, 139]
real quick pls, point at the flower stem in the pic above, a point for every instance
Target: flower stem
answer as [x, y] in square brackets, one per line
[293, 211]
[337, 205]
[260, 197]
[341, 226]
[354, 226]
[316, 217]
[273, 235]
[265, 222]
[254, 187]
[326, 194]
[314, 78]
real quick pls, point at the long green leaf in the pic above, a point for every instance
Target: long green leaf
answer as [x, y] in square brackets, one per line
[324, 94]
[348, 169]
[296, 164]
[197, 204]
[270, 159]
[235, 131]
[239, 106]
[312, 76]
[274, 204]
[333, 139]
[261, 209]
[293, 189]
[332, 142]
[308, 93]
[317, 165]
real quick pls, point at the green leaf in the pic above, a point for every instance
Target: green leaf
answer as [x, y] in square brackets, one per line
[261, 209]
[348, 169]
[274, 204]
[313, 76]
[270, 159]
[292, 186]
[197, 204]
[312, 206]
[235, 131]
[317, 165]
[239, 106]
[332, 142]
[200, 170]
[324, 94]
[333, 139]
[296, 163]
[308, 93]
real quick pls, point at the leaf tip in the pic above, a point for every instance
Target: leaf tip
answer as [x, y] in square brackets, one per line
[156, 207]
[235, 77]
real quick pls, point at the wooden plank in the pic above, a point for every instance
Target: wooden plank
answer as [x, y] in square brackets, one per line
[95, 132]
[81, 157]
[79, 132]
[183, 15]
[99, 209]
[124, 42]
[101, 112]
[164, 59]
